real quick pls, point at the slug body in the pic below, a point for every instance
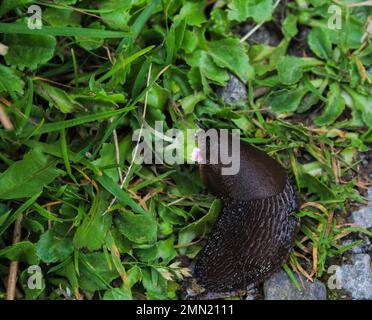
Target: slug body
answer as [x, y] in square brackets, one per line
[254, 232]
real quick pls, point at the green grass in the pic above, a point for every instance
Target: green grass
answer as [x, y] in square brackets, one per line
[75, 91]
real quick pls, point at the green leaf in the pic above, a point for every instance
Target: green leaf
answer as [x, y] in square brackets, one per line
[317, 187]
[23, 251]
[107, 158]
[361, 103]
[190, 41]
[200, 59]
[119, 193]
[116, 14]
[10, 81]
[318, 3]
[65, 2]
[58, 17]
[7, 5]
[259, 10]
[192, 13]
[286, 100]
[90, 42]
[290, 26]
[29, 51]
[154, 284]
[199, 227]
[95, 226]
[166, 250]
[320, 43]
[188, 103]
[53, 247]
[139, 228]
[95, 272]
[157, 97]
[28, 177]
[118, 294]
[290, 69]
[334, 107]
[174, 40]
[229, 53]
[57, 98]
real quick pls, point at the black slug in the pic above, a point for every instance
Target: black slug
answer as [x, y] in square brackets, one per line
[255, 230]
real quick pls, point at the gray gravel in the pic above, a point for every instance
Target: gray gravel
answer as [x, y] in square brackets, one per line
[356, 277]
[281, 287]
[235, 91]
[363, 216]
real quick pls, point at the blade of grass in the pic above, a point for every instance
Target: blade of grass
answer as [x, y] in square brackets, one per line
[17, 28]
[122, 63]
[45, 213]
[151, 181]
[56, 126]
[291, 276]
[112, 187]
[139, 24]
[64, 151]
[18, 212]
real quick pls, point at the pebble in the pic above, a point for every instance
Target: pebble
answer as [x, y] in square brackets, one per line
[356, 277]
[235, 91]
[280, 287]
[363, 216]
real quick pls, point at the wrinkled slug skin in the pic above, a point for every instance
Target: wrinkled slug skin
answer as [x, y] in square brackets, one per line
[255, 230]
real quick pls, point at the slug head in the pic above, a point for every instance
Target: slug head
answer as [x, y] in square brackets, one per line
[258, 176]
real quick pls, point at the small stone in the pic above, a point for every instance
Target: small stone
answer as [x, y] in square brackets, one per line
[363, 216]
[235, 91]
[356, 278]
[281, 287]
[253, 294]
